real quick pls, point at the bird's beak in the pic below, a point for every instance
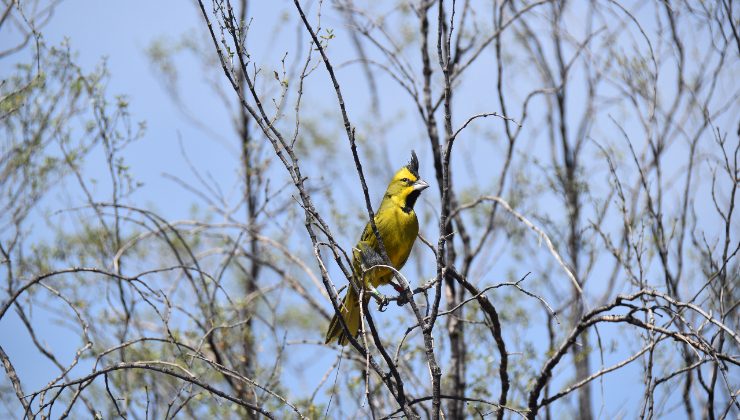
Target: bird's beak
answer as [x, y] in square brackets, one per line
[420, 185]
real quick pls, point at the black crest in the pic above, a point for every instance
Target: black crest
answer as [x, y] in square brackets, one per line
[413, 165]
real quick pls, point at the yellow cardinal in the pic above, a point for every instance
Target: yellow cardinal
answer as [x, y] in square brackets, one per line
[398, 227]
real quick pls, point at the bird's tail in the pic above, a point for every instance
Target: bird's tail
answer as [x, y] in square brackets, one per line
[351, 313]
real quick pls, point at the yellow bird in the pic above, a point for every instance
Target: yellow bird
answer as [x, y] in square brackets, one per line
[398, 227]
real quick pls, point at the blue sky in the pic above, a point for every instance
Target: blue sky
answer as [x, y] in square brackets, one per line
[121, 32]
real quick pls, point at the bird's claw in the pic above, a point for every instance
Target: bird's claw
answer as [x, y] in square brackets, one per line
[382, 299]
[383, 304]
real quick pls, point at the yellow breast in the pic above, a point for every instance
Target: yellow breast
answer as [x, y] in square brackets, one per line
[398, 230]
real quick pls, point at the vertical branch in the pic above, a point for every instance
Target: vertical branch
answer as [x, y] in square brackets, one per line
[14, 380]
[572, 190]
[724, 294]
[250, 278]
[453, 294]
[431, 126]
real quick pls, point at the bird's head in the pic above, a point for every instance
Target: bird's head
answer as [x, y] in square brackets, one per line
[406, 185]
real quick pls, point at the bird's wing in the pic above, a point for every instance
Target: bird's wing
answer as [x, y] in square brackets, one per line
[368, 236]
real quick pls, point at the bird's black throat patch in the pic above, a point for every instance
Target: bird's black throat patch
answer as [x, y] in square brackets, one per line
[411, 200]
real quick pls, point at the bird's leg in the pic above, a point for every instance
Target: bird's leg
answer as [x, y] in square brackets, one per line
[401, 299]
[379, 297]
[397, 286]
[369, 258]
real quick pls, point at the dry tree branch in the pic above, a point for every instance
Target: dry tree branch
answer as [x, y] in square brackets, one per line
[540, 233]
[13, 376]
[495, 328]
[483, 115]
[165, 368]
[594, 317]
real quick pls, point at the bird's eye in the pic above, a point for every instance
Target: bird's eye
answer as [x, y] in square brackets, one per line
[405, 180]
